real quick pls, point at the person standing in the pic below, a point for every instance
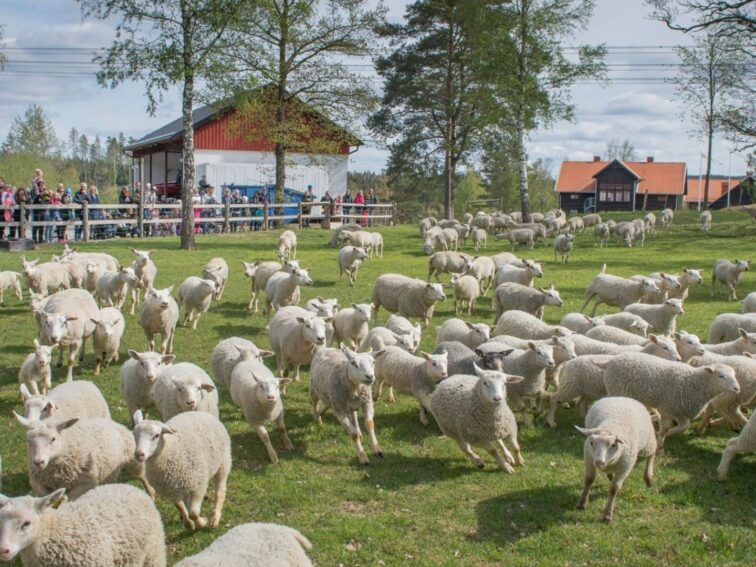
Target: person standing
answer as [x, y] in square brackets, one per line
[359, 210]
[347, 210]
[307, 198]
[42, 199]
[65, 213]
[81, 197]
[7, 200]
[94, 214]
[53, 212]
[371, 199]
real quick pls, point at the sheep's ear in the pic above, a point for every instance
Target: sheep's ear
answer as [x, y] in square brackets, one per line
[742, 332]
[653, 338]
[479, 372]
[425, 355]
[378, 353]
[303, 320]
[165, 430]
[138, 417]
[208, 387]
[354, 306]
[70, 318]
[266, 353]
[134, 354]
[170, 290]
[678, 336]
[168, 358]
[514, 379]
[44, 502]
[469, 325]
[749, 355]
[25, 393]
[66, 423]
[320, 299]
[25, 423]
[35, 342]
[93, 320]
[532, 345]
[710, 369]
[346, 351]
[685, 270]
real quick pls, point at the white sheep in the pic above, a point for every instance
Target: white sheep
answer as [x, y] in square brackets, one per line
[483, 269]
[230, 352]
[376, 245]
[402, 326]
[728, 274]
[106, 339]
[216, 269]
[473, 411]
[660, 318]
[282, 289]
[336, 232]
[580, 323]
[521, 324]
[503, 258]
[618, 430]
[94, 271]
[434, 238]
[10, 280]
[111, 288]
[106, 261]
[667, 216]
[508, 296]
[563, 246]
[746, 342]
[180, 457]
[159, 315]
[629, 322]
[615, 291]
[115, 524]
[705, 220]
[362, 239]
[665, 282]
[78, 398]
[602, 234]
[688, 345]
[350, 259]
[519, 236]
[530, 363]
[726, 326]
[448, 262]
[406, 296]
[184, 387]
[351, 324]
[649, 219]
[195, 296]
[146, 272]
[469, 334]
[749, 303]
[340, 379]
[259, 273]
[466, 291]
[379, 337]
[615, 335]
[138, 375]
[295, 336]
[327, 309]
[743, 443]
[287, 246]
[575, 225]
[479, 237]
[45, 278]
[523, 275]
[35, 369]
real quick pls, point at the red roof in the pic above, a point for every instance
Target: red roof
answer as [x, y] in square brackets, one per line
[717, 188]
[656, 177]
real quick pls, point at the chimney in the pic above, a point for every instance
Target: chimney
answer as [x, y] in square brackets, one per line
[650, 159]
[596, 158]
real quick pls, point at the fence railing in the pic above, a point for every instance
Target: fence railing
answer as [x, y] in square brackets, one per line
[88, 221]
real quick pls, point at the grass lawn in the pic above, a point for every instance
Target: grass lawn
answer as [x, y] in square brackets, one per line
[424, 504]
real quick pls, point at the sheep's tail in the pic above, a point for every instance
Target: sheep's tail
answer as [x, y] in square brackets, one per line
[302, 540]
[603, 269]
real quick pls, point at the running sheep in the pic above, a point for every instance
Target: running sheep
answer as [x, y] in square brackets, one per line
[521, 275]
[217, 270]
[615, 291]
[461, 359]
[36, 369]
[743, 443]
[746, 342]
[351, 324]
[447, 263]
[10, 280]
[580, 323]
[350, 259]
[479, 237]
[195, 296]
[230, 352]
[259, 273]
[159, 315]
[511, 296]
[78, 398]
[661, 318]
[138, 375]
[466, 291]
[111, 288]
[706, 221]
[106, 339]
[563, 246]
[146, 272]
[287, 246]
[728, 274]
[469, 334]
[45, 278]
[483, 269]
[406, 296]
[749, 303]
[379, 337]
[283, 288]
[185, 387]
[401, 326]
[520, 324]
[295, 336]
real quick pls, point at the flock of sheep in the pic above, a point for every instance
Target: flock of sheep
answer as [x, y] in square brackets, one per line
[632, 366]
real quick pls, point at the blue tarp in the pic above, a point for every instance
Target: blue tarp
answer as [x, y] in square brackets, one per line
[249, 191]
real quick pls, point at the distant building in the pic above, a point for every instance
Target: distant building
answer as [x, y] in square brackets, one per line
[718, 186]
[741, 192]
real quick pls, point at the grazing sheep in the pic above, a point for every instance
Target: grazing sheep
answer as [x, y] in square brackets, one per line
[479, 237]
[743, 443]
[448, 262]
[749, 303]
[287, 246]
[146, 272]
[282, 289]
[35, 369]
[217, 270]
[661, 318]
[467, 218]
[159, 315]
[184, 387]
[351, 324]
[640, 233]
[109, 328]
[602, 233]
[402, 326]
[254, 545]
[295, 336]
[379, 337]
[667, 216]
[618, 431]
[473, 410]
[45, 278]
[706, 221]
[180, 457]
[575, 225]
[518, 323]
[649, 219]
[626, 231]
[591, 220]
[412, 375]
[466, 290]
[10, 280]
[350, 259]
[138, 375]
[469, 334]
[483, 269]
[509, 296]
[433, 238]
[408, 297]
[728, 274]
[519, 236]
[522, 275]
[580, 323]
[111, 287]
[563, 246]
[195, 296]
[79, 398]
[341, 380]
[615, 291]
[726, 327]
[259, 273]
[627, 322]
[115, 524]
[230, 352]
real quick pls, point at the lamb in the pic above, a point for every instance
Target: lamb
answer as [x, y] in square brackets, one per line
[448, 262]
[479, 237]
[580, 323]
[563, 246]
[230, 352]
[259, 273]
[45, 278]
[159, 315]
[332, 243]
[743, 443]
[184, 387]
[402, 326]
[35, 369]
[591, 220]
[728, 274]
[746, 342]
[94, 271]
[376, 245]
[138, 375]
[667, 216]
[665, 282]
[615, 291]
[10, 280]
[472, 410]
[519, 236]
[432, 238]
[67, 400]
[106, 261]
[466, 290]
[661, 318]
[618, 431]
[379, 337]
[530, 363]
[509, 296]
[749, 303]
[575, 225]
[726, 326]
[287, 246]
[111, 287]
[522, 275]
[327, 309]
[295, 336]
[688, 345]
[194, 296]
[283, 289]
[503, 258]
[412, 375]
[518, 323]
[341, 380]
[351, 324]
[626, 321]
[407, 296]
[483, 269]
[469, 334]
[180, 457]
[602, 234]
[146, 272]
[216, 269]
[109, 328]
[350, 259]
[254, 545]
[706, 221]
[615, 335]
[461, 359]
[115, 524]
[678, 391]
[451, 238]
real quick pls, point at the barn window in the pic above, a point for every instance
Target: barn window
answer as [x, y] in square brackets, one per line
[574, 196]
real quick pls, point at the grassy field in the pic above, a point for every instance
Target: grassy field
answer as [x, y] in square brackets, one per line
[424, 504]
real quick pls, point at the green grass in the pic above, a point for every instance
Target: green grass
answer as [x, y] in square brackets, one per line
[424, 504]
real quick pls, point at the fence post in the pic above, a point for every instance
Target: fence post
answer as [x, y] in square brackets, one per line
[393, 213]
[265, 215]
[85, 221]
[299, 215]
[140, 218]
[22, 221]
[226, 214]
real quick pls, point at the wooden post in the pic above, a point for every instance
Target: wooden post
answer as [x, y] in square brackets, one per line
[265, 215]
[140, 215]
[85, 221]
[21, 221]
[226, 215]
[326, 222]
[299, 215]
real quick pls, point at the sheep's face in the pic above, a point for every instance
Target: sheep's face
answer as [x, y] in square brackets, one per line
[301, 277]
[665, 348]
[675, 305]
[362, 311]
[314, 329]
[190, 392]
[208, 286]
[552, 297]
[492, 385]
[105, 328]
[534, 268]
[493, 360]
[544, 354]
[141, 257]
[467, 263]
[38, 407]
[42, 356]
[428, 245]
[267, 391]
[289, 266]
[670, 282]
[54, 328]
[405, 342]
[480, 332]
[92, 268]
[150, 364]
[694, 275]
[360, 367]
[326, 308]
[649, 286]
[20, 522]
[742, 265]
[638, 327]
[44, 440]
[148, 436]
[564, 349]
[250, 269]
[128, 275]
[748, 341]
[358, 253]
[604, 448]
[416, 334]
[689, 344]
[436, 365]
[161, 297]
[435, 292]
[724, 377]
[29, 268]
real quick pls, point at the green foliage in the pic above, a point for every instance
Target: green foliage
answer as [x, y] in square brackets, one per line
[365, 180]
[470, 186]
[18, 170]
[32, 134]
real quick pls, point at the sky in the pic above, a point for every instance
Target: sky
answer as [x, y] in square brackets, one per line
[644, 112]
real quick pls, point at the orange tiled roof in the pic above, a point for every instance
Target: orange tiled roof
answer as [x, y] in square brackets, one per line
[717, 188]
[657, 178]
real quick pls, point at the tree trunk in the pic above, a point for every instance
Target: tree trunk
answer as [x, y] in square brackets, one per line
[187, 101]
[522, 159]
[448, 184]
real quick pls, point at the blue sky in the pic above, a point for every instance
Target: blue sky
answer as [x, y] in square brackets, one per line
[647, 114]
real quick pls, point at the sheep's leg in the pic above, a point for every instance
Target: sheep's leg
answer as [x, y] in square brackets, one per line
[730, 452]
[353, 429]
[648, 475]
[281, 427]
[317, 412]
[195, 508]
[262, 433]
[614, 487]
[221, 482]
[196, 320]
[551, 415]
[71, 362]
[705, 419]
[150, 342]
[252, 302]
[97, 365]
[378, 389]
[512, 439]
[503, 464]
[665, 431]
[467, 450]
[590, 476]
[184, 513]
[505, 451]
[391, 398]
[370, 426]
[81, 348]
[132, 307]
[733, 294]
[59, 362]
[296, 372]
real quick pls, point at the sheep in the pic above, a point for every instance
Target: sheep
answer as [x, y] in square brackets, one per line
[283, 289]
[591, 220]
[77, 269]
[377, 244]
[665, 282]
[36, 369]
[195, 296]
[295, 336]
[602, 234]
[661, 318]
[469, 334]
[432, 238]
[412, 375]
[254, 545]
[519, 236]
[67, 400]
[138, 375]
[10, 280]
[109, 328]
[705, 220]
[615, 291]
[728, 274]
[667, 216]
[340, 379]
[45, 278]
[615, 335]
[327, 309]
[522, 275]
[473, 410]
[743, 443]
[259, 273]
[406, 296]
[146, 272]
[379, 337]
[333, 242]
[159, 315]
[521, 324]
[461, 359]
[111, 287]
[483, 220]
[94, 271]
[649, 219]
[180, 457]
[359, 238]
[688, 345]
[287, 246]
[467, 218]
[466, 289]
[483, 269]
[463, 231]
[184, 387]
[563, 246]
[115, 524]
[640, 233]
[479, 237]
[230, 352]
[575, 225]
[530, 363]
[106, 261]
[350, 259]
[351, 324]
[78, 454]
[503, 258]
[216, 269]
[618, 430]
[726, 326]
[677, 391]
[509, 296]
[580, 323]
[626, 231]
[448, 262]
[402, 326]
[65, 322]
[749, 303]
[746, 342]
